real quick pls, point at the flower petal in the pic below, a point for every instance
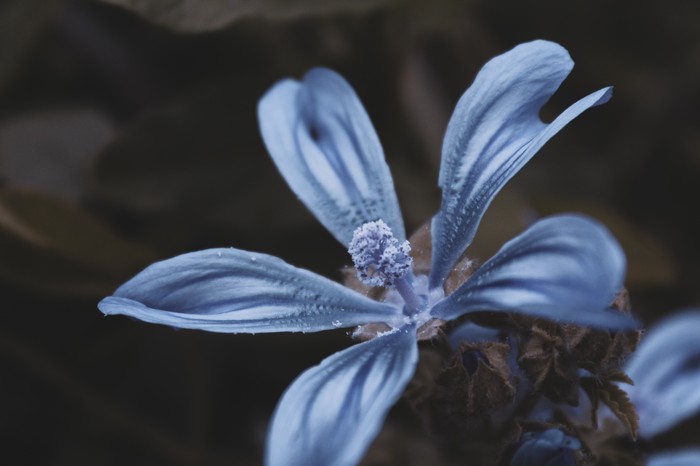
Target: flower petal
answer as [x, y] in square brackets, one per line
[666, 373]
[551, 447]
[234, 291]
[472, 333]
[494, 131]
[567, 268]
[333, 411]
[324, 145]
[687, 457]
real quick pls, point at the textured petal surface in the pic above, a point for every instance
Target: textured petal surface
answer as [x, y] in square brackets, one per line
[666, 374]
[566, 268]
[325, 146]
[234, 291]
[688, 457]
[494, 131]
[332, 412]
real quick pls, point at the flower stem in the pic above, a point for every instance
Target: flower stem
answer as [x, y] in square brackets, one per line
[413, 303]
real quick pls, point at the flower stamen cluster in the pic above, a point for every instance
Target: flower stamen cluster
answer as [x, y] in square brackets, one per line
[378, 256]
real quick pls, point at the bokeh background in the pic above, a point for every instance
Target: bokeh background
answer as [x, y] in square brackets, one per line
[128, 134]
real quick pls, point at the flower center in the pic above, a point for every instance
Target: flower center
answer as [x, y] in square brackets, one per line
[378, 256]
[380, 260]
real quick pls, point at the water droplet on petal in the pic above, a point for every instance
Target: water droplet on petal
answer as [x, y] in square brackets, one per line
[337, 323]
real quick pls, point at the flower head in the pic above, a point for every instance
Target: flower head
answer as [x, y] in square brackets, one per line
[565, 267]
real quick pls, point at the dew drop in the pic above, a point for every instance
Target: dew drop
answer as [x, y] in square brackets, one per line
[337, 323]
[253, 259]
[218, 254]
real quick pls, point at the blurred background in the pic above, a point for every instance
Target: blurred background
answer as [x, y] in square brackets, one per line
[128, 134]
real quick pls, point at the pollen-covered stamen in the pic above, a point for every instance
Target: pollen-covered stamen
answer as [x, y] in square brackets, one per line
[378, 256]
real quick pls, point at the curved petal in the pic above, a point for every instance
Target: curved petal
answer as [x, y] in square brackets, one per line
[324, 145]
[494, 131]
[666, 373]
[565, 267]
[234, 291]
[333, 411]
[687, 457]
[472, 333]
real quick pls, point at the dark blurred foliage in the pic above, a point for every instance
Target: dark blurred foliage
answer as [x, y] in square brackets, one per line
[124, 140]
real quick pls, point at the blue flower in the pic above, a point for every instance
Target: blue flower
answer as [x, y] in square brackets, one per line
[666, 374]
[564, 267]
